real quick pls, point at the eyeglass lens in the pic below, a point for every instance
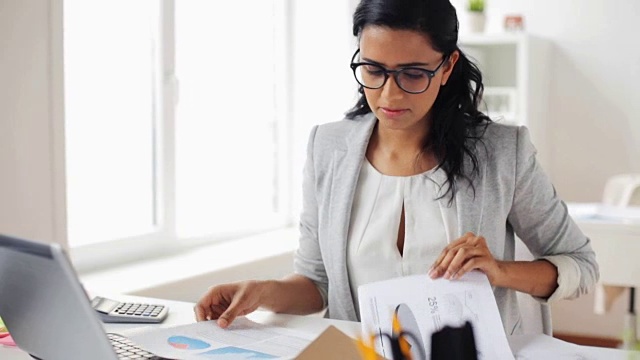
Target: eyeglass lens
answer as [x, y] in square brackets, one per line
[410, 80]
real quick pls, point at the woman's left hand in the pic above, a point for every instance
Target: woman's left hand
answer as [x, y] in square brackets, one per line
[463, 255]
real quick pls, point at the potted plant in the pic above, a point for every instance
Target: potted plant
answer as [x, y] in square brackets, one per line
[477, 18]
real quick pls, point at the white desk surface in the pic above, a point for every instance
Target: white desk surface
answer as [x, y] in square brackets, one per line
[181, 313]
[613, 231]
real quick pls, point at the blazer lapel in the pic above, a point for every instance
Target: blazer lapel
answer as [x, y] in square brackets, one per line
[346, 170]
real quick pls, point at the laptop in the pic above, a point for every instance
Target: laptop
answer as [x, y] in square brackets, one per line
[46, 309]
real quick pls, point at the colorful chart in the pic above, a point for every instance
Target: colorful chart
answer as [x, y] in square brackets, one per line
[186, 343]
[233, 353]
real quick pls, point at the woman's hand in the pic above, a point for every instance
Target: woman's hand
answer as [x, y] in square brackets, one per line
[228, 301]
[463, 255]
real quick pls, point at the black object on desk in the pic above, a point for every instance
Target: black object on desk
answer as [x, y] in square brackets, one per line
[453, 343]
[632, 300]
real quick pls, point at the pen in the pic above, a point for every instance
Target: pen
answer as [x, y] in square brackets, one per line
[366, 350]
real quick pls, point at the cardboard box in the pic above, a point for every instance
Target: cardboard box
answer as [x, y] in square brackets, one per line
[332, 344]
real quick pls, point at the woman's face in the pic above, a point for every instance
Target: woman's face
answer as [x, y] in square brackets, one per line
[395, 108]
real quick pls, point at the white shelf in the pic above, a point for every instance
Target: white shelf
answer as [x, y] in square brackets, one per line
[501, 101]
[516, 82]
[491, 39]
[499, 89]
[504, 118]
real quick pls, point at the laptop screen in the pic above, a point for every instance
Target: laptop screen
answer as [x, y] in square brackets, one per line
[44, 305]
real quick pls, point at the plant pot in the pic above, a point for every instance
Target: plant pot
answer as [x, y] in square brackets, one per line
[477, 21]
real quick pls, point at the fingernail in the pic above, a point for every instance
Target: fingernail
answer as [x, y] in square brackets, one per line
[431, 272]
[223, 323]
[447, 275]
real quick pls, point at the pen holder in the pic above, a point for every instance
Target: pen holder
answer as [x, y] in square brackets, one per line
[630, 337]
[454, 343]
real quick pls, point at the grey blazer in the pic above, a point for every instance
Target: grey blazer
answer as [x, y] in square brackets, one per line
[512, 194]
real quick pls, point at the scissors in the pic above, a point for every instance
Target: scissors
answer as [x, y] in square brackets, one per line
[400, 341]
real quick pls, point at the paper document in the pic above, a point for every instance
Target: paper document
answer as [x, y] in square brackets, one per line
[244, 339]
[424, 306]
[532, 347]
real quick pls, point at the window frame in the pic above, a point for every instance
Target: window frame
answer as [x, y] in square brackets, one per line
[163, 240]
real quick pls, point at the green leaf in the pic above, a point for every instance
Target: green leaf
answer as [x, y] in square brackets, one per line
[476, 5]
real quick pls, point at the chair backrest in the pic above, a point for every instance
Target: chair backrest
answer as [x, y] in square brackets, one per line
[622, 190]
[536, 316]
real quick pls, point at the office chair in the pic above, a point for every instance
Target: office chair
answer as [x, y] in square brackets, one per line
[623, 191]
[536, 316]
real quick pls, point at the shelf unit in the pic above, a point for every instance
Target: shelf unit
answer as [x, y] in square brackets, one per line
[515, 74]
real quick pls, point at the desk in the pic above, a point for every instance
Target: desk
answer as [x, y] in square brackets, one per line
[181, 313]
[615, 238]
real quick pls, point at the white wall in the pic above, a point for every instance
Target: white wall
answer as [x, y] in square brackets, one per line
[31, 175]
[323, 85]
[192, 288]
[594, 126]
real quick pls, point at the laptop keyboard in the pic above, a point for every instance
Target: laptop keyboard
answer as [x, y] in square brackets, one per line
[127, 349]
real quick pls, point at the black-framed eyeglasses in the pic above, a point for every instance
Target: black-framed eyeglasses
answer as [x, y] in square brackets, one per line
[411, 79]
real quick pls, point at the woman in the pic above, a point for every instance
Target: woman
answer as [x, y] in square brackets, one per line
[416, 180]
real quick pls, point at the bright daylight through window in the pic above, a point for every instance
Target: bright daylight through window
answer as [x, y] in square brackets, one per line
[109, 119]
[225, 122]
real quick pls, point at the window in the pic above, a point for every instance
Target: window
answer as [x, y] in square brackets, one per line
[109, 106]
[175, 130]
[227, 144]
[180, 118]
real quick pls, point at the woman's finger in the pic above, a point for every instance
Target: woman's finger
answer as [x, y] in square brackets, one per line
[440, 266]
[471, 264]
[201, 313]
[440, 269]
[235, 309]
[462, 256]
[452, 246]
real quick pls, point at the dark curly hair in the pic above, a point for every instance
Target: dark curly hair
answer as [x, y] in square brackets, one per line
[457, 124]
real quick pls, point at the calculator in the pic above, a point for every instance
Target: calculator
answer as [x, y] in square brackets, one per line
[112, 311]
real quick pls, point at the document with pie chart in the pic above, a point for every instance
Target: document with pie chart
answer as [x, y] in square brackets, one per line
[424, 306]
[244, 339]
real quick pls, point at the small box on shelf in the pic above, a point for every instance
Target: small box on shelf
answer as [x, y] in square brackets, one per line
[501, 103]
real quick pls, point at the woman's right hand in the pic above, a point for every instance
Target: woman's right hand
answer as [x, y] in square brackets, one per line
[228, 301]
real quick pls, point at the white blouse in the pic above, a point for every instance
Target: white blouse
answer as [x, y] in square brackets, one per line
[430, 224]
